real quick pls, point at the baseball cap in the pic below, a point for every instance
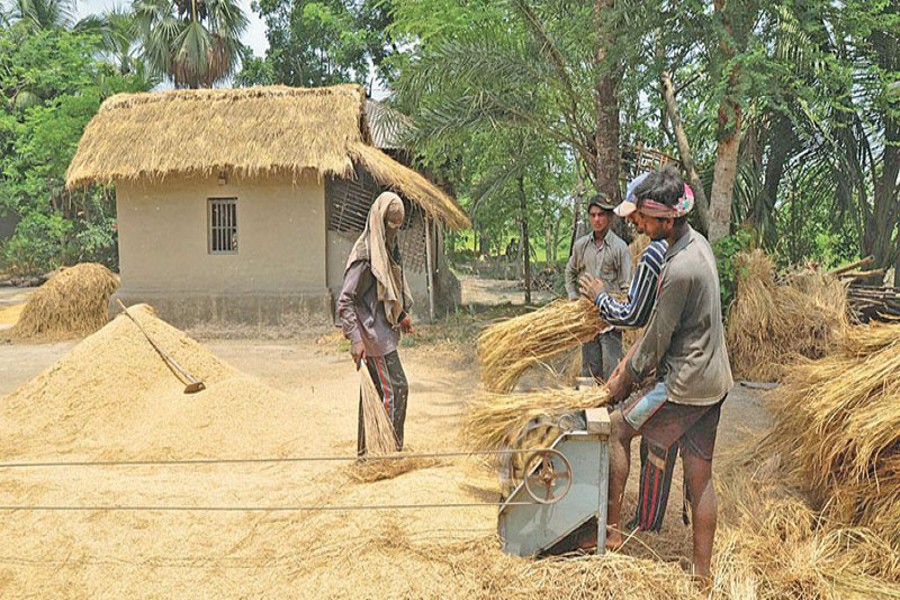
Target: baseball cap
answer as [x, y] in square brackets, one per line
[630, 204]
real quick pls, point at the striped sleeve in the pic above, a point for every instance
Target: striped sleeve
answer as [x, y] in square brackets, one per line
[642, 293]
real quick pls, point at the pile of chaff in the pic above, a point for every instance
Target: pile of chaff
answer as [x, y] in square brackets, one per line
[506, 350]
[73, 304]
[771, 324]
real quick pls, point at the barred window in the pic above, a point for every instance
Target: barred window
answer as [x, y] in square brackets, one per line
[223, 231]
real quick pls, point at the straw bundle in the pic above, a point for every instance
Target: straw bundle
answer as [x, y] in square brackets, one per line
[508, 349]
[380, 435]
[837, 426]
[74, 303]
[636, 248]
[769, 325]
[495, 421]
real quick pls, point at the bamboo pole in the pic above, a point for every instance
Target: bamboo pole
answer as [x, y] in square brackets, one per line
[429, 267]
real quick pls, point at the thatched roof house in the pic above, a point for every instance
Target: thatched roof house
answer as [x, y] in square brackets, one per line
[289, 172]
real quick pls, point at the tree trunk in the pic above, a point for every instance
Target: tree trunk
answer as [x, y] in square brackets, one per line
[728, 136]
[556, 227]
[684, 151]
[606, 136]
[723, 183]
[526, 247]
[887, 200]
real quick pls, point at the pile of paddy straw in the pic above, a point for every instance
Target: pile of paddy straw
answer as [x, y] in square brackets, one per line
[506, 350]
[495, 421]
[72, 304]
[837, 428]
[770, 325]
[771, 544]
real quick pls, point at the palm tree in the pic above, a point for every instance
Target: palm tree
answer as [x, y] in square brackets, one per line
[44, 14]
[119, 40]
[195, 42]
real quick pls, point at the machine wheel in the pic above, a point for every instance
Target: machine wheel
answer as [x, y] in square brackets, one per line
[548, 476]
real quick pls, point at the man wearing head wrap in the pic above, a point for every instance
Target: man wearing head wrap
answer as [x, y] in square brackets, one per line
[373, 309]
[635, 310]
[684, 343]
[602, 255]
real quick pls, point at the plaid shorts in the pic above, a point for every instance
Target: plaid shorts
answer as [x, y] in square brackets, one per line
[662, 423]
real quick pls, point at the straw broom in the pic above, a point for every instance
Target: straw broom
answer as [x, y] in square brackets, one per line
[506, 350]
[380, 435]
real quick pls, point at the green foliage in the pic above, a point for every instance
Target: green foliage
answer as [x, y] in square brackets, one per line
[194, 43]
[65, 84]
[318, 43]
[725, 250]
[38, 244]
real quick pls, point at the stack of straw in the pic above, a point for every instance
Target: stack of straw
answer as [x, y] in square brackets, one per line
[74, 303]
[837, 426]
[496, 421]
[508, 349]
[380, 435]
[770, 325]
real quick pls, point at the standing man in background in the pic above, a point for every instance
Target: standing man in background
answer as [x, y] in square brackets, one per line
[374, 310]
[603, 255]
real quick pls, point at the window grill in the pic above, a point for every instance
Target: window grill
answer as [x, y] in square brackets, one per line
[223, 231]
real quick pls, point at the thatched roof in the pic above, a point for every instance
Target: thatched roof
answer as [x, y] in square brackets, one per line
[249, 132]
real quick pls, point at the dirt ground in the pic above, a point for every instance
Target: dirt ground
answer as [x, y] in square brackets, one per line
[306, 554]
[285, 554]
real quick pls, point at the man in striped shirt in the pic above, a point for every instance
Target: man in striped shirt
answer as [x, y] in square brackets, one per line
[635, 312]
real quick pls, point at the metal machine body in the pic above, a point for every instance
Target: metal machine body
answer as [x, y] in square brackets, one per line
[563, 488]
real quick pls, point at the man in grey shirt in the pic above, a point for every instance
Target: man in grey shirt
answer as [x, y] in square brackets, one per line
[684, 342]
[604, 256]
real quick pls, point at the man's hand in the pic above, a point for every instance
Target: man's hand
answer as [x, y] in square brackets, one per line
[619, 384]
[358, 352]
[406, 325]
[590, 287]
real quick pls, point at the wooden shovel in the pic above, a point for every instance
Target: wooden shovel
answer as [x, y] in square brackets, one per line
[194, 385]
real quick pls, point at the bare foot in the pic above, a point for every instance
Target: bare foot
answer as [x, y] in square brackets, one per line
[704, 583]
[613, 539]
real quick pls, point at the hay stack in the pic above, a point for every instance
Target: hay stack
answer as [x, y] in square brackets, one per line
[73, 304]
[771, 544]
[837, 427]
[508, 349]
[769, 325]
[495, 421]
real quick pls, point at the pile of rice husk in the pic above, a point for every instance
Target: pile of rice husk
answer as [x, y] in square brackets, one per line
[770, 325]
[113, 397]
[508, 349]
[72, 304]
[837, 428]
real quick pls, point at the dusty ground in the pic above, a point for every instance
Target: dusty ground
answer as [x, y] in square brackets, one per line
[488, 292]
[286, 554]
